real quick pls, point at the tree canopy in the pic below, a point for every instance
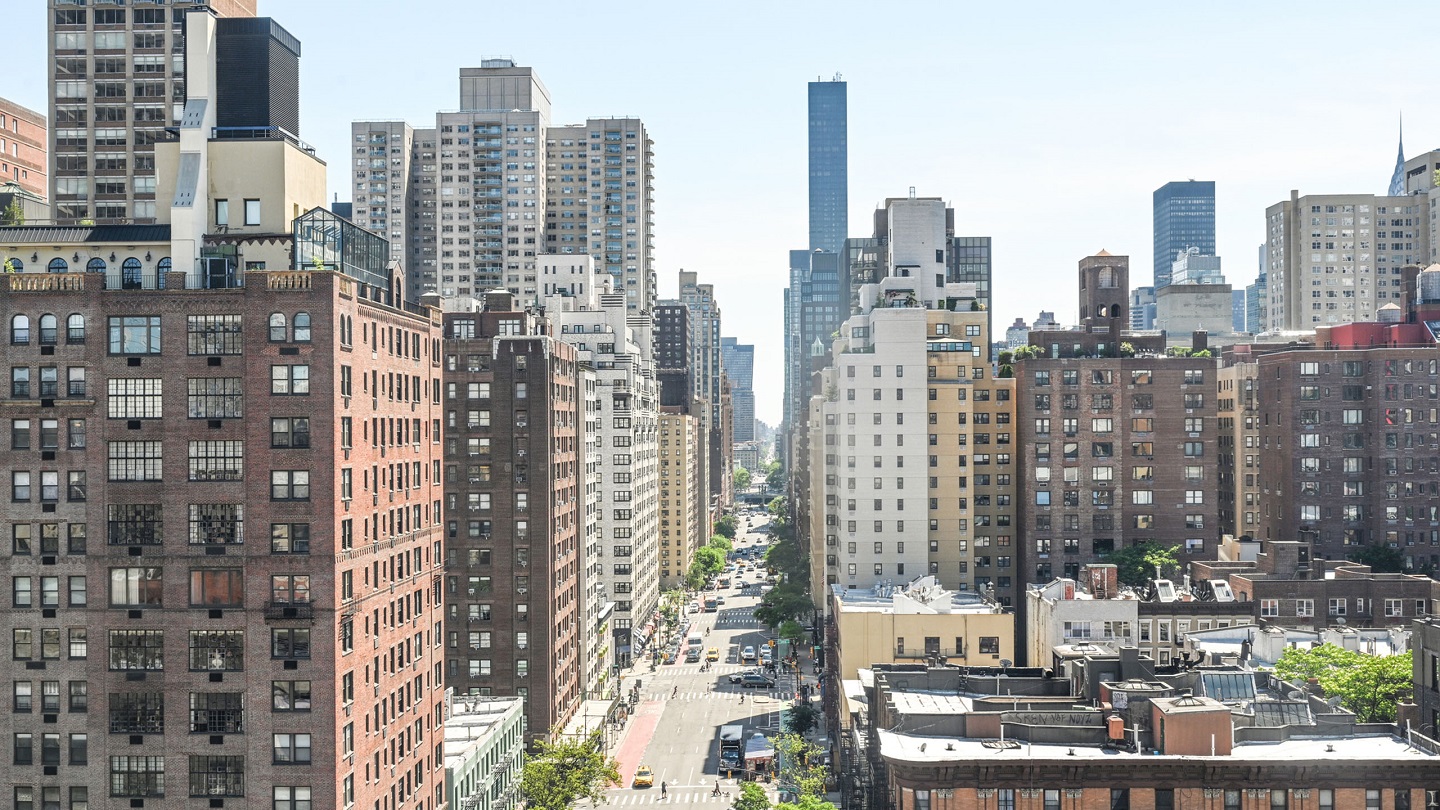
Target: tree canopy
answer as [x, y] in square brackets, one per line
[1137, 563]
[751, 797]
[800, 768]
[1371, 686]
[566, 770]
[727, 526]
[722, 543]
[1381, 559]
[742, 478]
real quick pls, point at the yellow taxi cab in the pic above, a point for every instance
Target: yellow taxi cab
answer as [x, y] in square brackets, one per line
[644, 777]
[712, 654]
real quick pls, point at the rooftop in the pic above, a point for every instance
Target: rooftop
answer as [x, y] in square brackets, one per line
[915, 748]
[474, 719]
[921, 596]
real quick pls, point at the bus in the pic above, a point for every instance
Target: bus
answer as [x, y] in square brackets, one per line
[711, 604]
[732, 748]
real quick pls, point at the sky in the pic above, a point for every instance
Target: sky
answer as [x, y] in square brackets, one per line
[1046, 125]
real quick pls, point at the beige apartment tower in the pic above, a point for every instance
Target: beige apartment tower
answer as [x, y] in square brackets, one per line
[117, 80]
[682, 500]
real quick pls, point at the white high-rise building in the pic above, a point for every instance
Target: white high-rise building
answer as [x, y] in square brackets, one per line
[595, 319]
[599, 201]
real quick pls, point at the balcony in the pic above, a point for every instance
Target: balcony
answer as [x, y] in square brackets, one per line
[304, 611]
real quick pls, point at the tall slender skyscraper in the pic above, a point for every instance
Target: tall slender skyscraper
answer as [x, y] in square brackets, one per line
[1184, 218]
[829, 165]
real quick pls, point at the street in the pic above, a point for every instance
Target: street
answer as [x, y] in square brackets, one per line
[675, 729]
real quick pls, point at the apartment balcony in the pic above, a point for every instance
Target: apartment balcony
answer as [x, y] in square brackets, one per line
[304, 611]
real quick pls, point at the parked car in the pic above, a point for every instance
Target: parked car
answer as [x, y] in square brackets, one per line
[692, 655]
[693, 607]
[748, 653]
[756, 681]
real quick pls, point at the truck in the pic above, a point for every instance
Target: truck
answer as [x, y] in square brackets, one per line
[711, 604]
[732, 749]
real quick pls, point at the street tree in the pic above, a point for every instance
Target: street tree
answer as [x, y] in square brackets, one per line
[800, 768]
[813, 803]
[721, 542]
[742, 479]
[727, 525]
[751, 797]
[711, 560]
[13, 214]
[1371, 686]
[785, 602]
[695, 577]
[567, 770]
[800, 719]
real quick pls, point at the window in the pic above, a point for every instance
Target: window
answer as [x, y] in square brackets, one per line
[215, 775]
[137, 776]
[20, 330]
[290, 485]
[290, 380]
[290, 696]
[290, 589]
[217, 523]
[291, 798]
[20, 382]
[134, 524]
[213, 334]
[290, 538]
[291, 749]
[217, 587]
[134, 398]
[135, 461]
[1337, 607]
[217, 461]
[75, 328]
[217, 650]
[290, 431]
[135, 587]
[137, 649]
[1269, 608]
[214, 398]
[137, 334]
[222, 212]
[289, 642]
[252, 212]
[989, 645]
[1304, 607]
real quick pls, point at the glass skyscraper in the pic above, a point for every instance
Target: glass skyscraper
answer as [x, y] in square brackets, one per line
[829, 165]
[1184, 217]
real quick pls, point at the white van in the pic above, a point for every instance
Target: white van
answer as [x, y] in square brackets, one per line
[695, 642]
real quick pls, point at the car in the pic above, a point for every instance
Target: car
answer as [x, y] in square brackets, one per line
[736, 677]
[719, 600]
[692, 655]
[644, 777]
[748, 653]
[693, 607]
[741, 584]
[756, 681]
[712, 654]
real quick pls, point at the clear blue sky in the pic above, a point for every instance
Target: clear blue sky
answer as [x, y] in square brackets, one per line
[1047, 125]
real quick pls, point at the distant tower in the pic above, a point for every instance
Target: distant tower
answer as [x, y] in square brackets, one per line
[1184, 214]
[829, 165]
[1105, 291]
[1397, 179]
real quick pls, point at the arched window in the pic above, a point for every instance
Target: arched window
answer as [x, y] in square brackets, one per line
[20, 329]
[161, 268]
[1107, 278]
[302, 327]
[277, 326]
[49, 329]
[14, 265]
[95, 265]
[59, 265]
[75, 328]
[130, 275]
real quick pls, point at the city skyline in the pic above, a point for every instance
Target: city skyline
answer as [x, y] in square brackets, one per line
[1035, 79]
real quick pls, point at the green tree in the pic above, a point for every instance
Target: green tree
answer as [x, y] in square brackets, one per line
[711, 560]
[727, 525]
[695, 577]
[1381, 559]
[751, 797]
[786, 602]
[721, 542]
[800, 770]
[814, 803]
[1371, 686]
[792, 631]
[1127, 349]
[13, 213]
[1028, 352]
[742, 478]
[1137, 563]
[562, 772]
[800, 719]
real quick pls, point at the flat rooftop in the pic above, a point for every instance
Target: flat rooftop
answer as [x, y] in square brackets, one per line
[473, 721]
[951, 749]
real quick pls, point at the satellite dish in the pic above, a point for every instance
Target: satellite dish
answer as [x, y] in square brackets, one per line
[1006, 663]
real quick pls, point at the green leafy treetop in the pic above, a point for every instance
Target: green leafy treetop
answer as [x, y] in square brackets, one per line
[742, 481]
[1371, 686]
[567, 770]
[13, 214]
[751, 797]
[1137, 563]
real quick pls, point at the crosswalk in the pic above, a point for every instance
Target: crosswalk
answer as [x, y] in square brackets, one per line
[731, 693]
[675, 796]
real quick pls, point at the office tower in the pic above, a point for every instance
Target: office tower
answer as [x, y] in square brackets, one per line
[914, 480]
[590, 315]
[513, 511]
[708, 374]
[1397, 177]
[1197, 297]
[738, 359]
[263, 380]
[674, 353]
[600, 201]
[115, 87]
[829, 165]
[1017, 334]
[1142, 308]
[1336, 258]
[1184, 213]
[683, 503]
[24, 150]
[380, 196]
[1256, 295]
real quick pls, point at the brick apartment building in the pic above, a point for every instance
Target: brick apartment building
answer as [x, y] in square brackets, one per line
[24, 150]
[514, 511]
